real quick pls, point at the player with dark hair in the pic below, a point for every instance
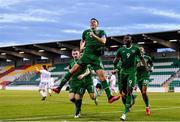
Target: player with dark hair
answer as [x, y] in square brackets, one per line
[45, 77]
[127, 55]
[92, 42]
[143, 78]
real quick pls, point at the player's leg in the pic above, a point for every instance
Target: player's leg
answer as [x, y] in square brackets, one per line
[67, 76]
[42, 88]
[101, 74]
[129, 96]
[78, 98]
[145, 96]
[90, 89]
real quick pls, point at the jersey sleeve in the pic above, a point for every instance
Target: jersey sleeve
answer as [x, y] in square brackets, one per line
[138, 52]
[83, 35]
[150, 61]
[118, 53]
[103, 34]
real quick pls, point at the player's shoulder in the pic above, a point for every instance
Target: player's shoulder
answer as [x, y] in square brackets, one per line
[87, 30]
[136, 46]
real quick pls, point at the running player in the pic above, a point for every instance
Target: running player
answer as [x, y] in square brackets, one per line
[93, 40]
[127, 55]
[143, 78]
[45, 76]
[78, 83]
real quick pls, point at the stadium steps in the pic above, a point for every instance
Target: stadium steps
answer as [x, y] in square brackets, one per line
[164, 70]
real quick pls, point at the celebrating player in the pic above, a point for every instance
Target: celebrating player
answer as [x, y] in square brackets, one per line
[127, 55]
[143, 78]
[92, 42]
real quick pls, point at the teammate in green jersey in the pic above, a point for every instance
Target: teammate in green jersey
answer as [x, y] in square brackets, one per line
[78, 83]
[92, 42]
[143, 78]
[127, 55]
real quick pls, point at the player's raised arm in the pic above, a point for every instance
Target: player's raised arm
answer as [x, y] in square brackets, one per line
[82, 45]
[117, 58]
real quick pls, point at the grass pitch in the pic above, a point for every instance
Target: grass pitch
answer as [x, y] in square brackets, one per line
[27, 106]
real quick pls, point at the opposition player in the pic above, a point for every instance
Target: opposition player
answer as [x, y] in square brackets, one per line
[45, 76]
[112, 81]
[143, 78]
[127, 55]
[92, 41]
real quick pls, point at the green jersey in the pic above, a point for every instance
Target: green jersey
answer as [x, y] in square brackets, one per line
[141, 71]
[92, 45]
[75, 76]
[128, 56]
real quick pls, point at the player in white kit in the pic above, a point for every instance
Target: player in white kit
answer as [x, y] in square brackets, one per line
[45, 77]
[112, 81]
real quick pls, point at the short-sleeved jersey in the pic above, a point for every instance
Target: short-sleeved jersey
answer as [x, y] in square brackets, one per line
[141, 68]
[92, 45]
[45, 75]
[128, 56]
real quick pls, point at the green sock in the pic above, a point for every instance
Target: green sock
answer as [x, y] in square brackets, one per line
[106, 88]
[128, 100]
[78, 106]
[65, 79]
[128, 103]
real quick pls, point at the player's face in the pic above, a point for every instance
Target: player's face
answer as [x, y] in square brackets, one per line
[93, 24]
[75, 54]
[127, 40]
[142, 50]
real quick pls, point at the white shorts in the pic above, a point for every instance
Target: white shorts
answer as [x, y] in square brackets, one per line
[43, 86]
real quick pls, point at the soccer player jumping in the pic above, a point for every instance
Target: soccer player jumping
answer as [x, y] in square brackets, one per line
[92, 41]
[127, 55]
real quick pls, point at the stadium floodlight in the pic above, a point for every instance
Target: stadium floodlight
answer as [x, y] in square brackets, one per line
[113, 46]
[3, 53]
[25, 59]
[173, 40]
[8, 60]
[141, 42]
[41, 51]
[43, 58]
[63, 49]
[21, 52]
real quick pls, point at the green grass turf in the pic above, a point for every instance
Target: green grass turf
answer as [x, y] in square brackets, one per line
[27, 106]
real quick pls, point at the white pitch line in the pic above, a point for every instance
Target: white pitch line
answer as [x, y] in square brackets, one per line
[71, 115]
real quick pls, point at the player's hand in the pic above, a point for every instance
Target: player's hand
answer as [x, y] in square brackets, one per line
[147, 69]
[80, 77]
[91, 34]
